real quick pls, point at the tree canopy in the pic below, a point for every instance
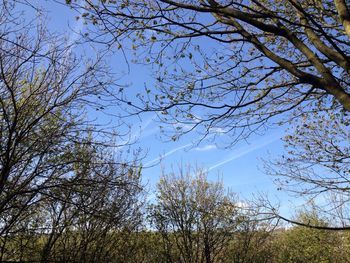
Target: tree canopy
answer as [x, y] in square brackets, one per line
[230, 66]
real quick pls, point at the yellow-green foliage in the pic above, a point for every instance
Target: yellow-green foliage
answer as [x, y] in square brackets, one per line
[302, 244]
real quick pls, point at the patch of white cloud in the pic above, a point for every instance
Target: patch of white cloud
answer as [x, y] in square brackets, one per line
[205, 148]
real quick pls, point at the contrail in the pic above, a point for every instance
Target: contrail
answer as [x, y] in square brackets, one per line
[242, 152]
[145, 125]
[135, 135]
[168, 153]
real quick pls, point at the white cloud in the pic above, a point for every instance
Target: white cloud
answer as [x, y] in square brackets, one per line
[205, 148]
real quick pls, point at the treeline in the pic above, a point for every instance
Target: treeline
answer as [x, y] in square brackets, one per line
[191, 220]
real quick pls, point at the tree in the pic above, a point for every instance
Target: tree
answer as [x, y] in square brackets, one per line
[44, 90]
[253, 238]
[90, 218]
[99, 213]
[57, 170]
[195, 217]
[231, 66]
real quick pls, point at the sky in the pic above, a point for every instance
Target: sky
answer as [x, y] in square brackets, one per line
[240, 167]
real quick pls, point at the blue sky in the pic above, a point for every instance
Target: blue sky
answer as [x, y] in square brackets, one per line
[240, 166]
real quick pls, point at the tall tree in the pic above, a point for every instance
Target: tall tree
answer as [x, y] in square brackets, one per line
[231, 66]
[44, 90]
